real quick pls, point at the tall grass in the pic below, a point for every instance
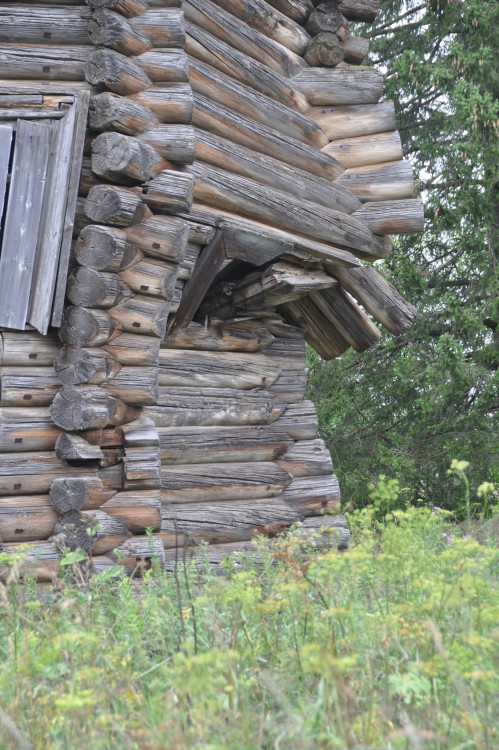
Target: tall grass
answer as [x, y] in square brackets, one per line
[389, 645]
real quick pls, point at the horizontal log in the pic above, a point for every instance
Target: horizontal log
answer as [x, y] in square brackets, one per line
[298, 10]
[164, 27]
[27, 61]
[393, 217]
[71, 446]
[240, 553]
[381, 182]
[27, 349]
[26, 518]
[109, 111]
[212, 407]
[121, 158]
[221, 336]
[135, 350]
[253, 43]
[223, 153]
[160, 237]
[221, 88]
[165, 66]
[85, 327]
[92, 288]
[214, 482]
[206, 445]
[363, 151]
[141, 314]
[141, 468]
[379, 297]
[26, 428]
[151, 277]
[211, 50]
[137, 510]
[218, 522]
[325, 86]
[307, 458]
[44, 25]
[171, 104]
[170, 192]
[176, 143]
[30, 386]
[134, 385]
[127, 8]
[77, 365]
[117, 206]
[224, 122]
[110, 29]
[140, 433]
[77, 493]
[320, 333]
[313, 496]
[116, 72]
[280, 282]
[290, 386]
[215, 369]
[359, 10]
[355, 121]
[138, 553]
[347, 318]
[104, 248]
[319, 532]
[85, 407]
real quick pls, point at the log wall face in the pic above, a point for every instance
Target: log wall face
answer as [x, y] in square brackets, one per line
[235, 175]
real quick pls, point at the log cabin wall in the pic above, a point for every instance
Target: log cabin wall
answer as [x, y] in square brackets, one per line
[239, 166]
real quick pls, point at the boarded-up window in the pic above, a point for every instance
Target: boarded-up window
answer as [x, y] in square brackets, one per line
[40, 162]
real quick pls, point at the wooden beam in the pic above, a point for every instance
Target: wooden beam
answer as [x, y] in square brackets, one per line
[35, 24]
[171, 103]
[365, 150]
[110, 29]
[215, 369]
[26, 61]
[347, 317]
[380, 182]
[164, 27]
[393, 217]
[349, 85]
[340, 122]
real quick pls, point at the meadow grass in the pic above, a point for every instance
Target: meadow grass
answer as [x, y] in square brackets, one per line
[388, 645]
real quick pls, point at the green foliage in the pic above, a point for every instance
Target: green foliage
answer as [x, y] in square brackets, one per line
[415, 402]
[389, 645]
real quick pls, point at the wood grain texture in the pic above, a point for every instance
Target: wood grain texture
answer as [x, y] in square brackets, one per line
[44, 25]
[358, 120]
[349, 85]
[23, 429]
[26, 61]
[221, 336]
[365, 150]
[215, 369]
[380, 182]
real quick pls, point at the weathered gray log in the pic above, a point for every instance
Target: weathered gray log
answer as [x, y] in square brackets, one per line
[350, 85]
[281, 282]
[221, 336]
[142, 468]
[359, 10]
[140, 433]
[132, 349]
[319, 331]
[307, 458]
[321, 532]
[227, 59]
[289, 351]
[240, 195]
[313, 496]
[327, 17]
[176, 143]
[76, 365]
[187, 265]
[122, 158]
[224, 122]
[142, 314]
[221, 88]
[249, 41]
[165, 66]
[138, 552]
[357, 120]
[36, 25]
[171, 104]
[85, 327]
[298, 10]
[164, 27]
[71, 446]
[83, 407]
[223, 153]
[151, 277]
[363, 151]
[347, 317]
[215, 522]
[110, 29]
[27, 348]
[160, 237]
[127, 8]
[393, 217]
[40, 561]
[112, 112]
[137, 510]
[324, 50]
[196, 445]
[378, 297]
[92, 288]
[26, 61]
[104, 248]
[170, 192]
[106, 532]
[381, 182]
[26, 518]
[116, 72]
[75, 493]
[27, 386]
[215, 370]
[24, 429]
[134, 385]
[213, 406]
[355, 49]
[290, 386]
[117, 206]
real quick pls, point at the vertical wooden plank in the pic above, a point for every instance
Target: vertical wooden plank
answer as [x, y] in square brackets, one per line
[5, 145]
[52, 225]
[22, 221]
[81, 105]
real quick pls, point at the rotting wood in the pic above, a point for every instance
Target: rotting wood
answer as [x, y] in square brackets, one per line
[319, 331]
[84, 407]
[380, 182]
[76, 493]
[352, 121]
[349, 85]
[327, 18]
[103, 248]
[76, 365]
[127, 8]
[363, 151]
[109, 111]
[176, 143]
[170, 192]
[112, 30]
[85, 327]
[91, 288]
[215, 370]
[324, 50]
[279, 283]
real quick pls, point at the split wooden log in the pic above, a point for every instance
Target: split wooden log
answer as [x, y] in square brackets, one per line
[117, 206]
[208, 445]
[200, 233]
[393, 217]
[109, 111]
[213, 19]
[27, 61]
[110, 29]
[116, 72]
[92, 288]
[213, 406]
[381, 182]
[355, 121]
[172, 104]
[307, 458]
[152, 277]
[72, 447]
[76, 365]
[137, 510]
[218, 522]
[132, 349]
[324, 50]
[244, 131]
[36, 25]
[221, 336]
[224, 153]
[165, 66]
[363, 151]
[134, 385]
[104, 249]
[221, 88]
[215, 370]
[84, 327]
[27, 348]
[160, 237]
[214, 52]
[349, 85]
[164, 27]
[144, 315]
[298, 10]
[142, 468]
[319, 331]
[24, 429]
[346, 317]
[122, 158]
[26, 518]
[127, 8]
[170, 192]
[279, 283]
[176, 143]
[327, 17]
[30, 386]
[77, 493]
[379, 298]
[289, 352]
[313, 496]
[84, 407]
